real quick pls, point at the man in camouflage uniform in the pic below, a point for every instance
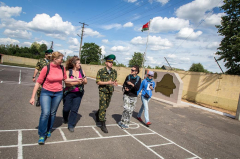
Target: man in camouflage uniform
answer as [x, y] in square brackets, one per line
[39, 66]
[106, 79]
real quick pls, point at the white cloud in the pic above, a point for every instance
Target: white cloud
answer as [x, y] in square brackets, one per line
[159, 24]
[213, 45]
[73, 41]
[119, 48]
[131, 1]
[163, 1]
[103, 50]
[22, 34]
[111, 26]
[12, 24]
[151, 60]
[214, 19]
[196, 9]
[90, 32]
[153, 40]
[188, 33]
[171, 56]
[27, 44]
[8, 41]
[52, 26]
[59, 45]
[74, 47]
[7, 12]
[128, 24]
[185, 59]
[105, 41]
[128, 58]
[57, 36]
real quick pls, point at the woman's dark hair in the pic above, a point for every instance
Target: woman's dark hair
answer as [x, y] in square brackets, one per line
[71, 62]
[137, 68]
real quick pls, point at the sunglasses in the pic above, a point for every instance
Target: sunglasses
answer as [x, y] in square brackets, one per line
[133, 70]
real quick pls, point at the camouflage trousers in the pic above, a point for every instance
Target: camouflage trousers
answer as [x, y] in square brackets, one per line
[39, 91]
[129, 104]
[104, 101]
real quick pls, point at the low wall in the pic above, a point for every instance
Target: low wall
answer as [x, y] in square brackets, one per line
[212, 89]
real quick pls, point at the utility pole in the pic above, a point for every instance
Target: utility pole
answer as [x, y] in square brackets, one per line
[81, 38]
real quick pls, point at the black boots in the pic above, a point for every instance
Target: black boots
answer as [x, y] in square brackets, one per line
[97, 116]
[103, 127]
[38, 102]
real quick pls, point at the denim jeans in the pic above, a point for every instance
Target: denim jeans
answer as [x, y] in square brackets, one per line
[145, 107]
[49, 105]
[71, 105]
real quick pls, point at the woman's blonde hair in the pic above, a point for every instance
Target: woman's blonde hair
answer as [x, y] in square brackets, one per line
[56, 55]
[71, 62]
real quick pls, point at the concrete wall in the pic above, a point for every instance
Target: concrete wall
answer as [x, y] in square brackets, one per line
[19, 60]
[217, 90]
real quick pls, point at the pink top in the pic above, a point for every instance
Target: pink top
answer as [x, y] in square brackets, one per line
[54, 79]
[76, 89]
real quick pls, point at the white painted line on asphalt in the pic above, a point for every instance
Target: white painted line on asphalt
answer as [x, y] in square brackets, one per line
[97, 132]
[1, 81]
[143, 144]
[192, 158]
[63, 135]
[20, 150]
[171, 141]
[143, 134]
[64, 127]
[159, 145]
[19, 77]
[1, 69]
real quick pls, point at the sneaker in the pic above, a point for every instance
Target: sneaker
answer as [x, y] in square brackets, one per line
[120, 123]
[139, 119]
[148, 123]
[124, 126]
[41, 140]
[48, 134]
[71, 129]
[65, 121]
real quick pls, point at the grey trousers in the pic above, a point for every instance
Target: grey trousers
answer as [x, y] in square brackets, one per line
[129, 104]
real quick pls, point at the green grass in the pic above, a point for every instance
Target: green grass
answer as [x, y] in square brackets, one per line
[15, 64]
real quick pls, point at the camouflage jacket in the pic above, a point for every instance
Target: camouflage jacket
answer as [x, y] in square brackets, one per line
[104, 76]
[41, 63]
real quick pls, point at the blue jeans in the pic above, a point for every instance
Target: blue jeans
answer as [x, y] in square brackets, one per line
[49, 105]
[145, 107]
[71, 105]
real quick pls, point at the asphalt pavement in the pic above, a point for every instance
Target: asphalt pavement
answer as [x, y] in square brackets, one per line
[176, 132]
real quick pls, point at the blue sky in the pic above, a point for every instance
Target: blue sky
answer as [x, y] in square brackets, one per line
[183, 31]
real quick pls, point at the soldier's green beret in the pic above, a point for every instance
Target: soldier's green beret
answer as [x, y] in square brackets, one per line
[49, 51]
[110, 58]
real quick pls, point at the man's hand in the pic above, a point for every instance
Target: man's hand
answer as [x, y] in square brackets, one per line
[115, 83]
[130, 83]
[126, 89]
[34, 79]
[151, 87]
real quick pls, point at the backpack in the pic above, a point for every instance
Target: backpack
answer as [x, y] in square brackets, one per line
[48, 69]
[80, 87]
[136, 80]
[129, 80]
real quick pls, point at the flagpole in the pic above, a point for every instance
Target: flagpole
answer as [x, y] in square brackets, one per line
[145, 51]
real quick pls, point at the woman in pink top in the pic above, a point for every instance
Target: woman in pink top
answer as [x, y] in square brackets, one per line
[51, 94]
[73, 92]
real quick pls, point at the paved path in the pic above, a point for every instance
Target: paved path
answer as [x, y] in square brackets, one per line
[175, 133]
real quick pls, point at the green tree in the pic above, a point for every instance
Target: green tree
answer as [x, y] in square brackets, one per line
[198, 67]
[137, 59]
[121, 65]
[42, 48]
[229, 49]
[37, 45]
[92, 53]
[149, 67]
[158, 67]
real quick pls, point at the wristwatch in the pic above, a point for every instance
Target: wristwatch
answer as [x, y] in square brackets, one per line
[33, 77]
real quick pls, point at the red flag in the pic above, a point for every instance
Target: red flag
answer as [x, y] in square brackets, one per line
[145, 27]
